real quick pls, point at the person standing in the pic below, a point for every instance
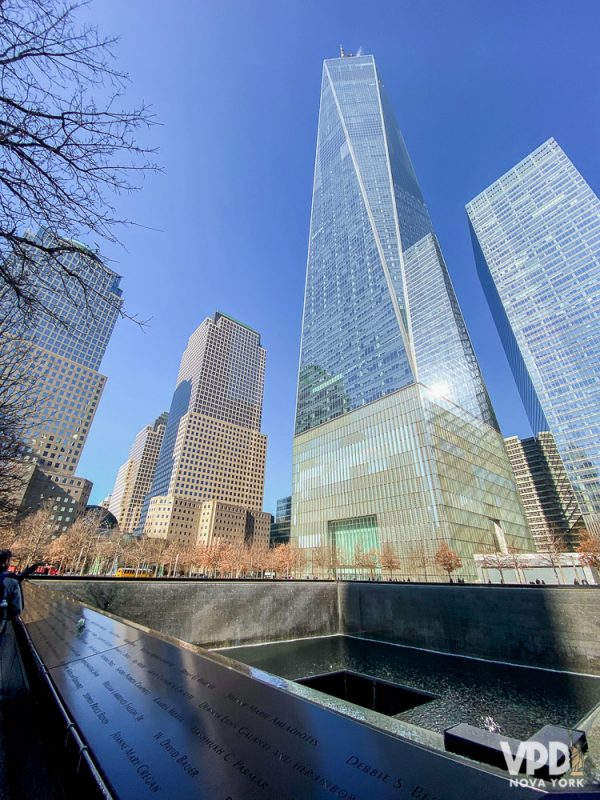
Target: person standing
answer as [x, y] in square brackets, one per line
[11, 597]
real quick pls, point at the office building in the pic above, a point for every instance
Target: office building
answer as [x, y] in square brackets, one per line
[65, 346]
[281, 525]
[396, 442]
[550, 505]
[209, 480]
[135, 476]
[536, 236]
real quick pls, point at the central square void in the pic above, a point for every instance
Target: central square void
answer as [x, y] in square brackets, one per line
[368, 692]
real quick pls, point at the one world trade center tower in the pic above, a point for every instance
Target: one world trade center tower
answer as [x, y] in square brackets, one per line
[396, 444]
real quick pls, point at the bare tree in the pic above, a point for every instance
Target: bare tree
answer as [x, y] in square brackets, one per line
[239, 559]
[259, 558]
[33, 535]
[358, 559]
[67, 145]
[84, 532]
[513, 557]
[553, 549]
[589, 550]
[197, 557]
[262, 558]
[67, 148]
[279, 558]
[72, 550]
[187, 558]
[498, 561]
[321, 559]
[370, 562]
[213, 558]
[17, 408]
[58, 552]
[270, 563]
[389, 559]
[156, 552]
[297, 559]
[289, 560]
[447, 559]
[170, 554]
[486, 563]
[419, 560]
[113, 548]
[7, 537]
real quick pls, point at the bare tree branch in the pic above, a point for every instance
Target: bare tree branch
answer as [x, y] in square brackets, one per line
[18, 408]
[67, 144]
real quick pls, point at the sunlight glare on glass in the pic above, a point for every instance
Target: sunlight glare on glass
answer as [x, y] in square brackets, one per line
[440, 389]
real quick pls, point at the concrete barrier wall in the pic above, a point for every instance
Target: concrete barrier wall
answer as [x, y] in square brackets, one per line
[216, 613]
[550, 627]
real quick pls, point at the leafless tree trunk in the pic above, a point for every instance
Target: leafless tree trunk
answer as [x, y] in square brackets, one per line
[33, 536]
[17, 408]
[553, 550]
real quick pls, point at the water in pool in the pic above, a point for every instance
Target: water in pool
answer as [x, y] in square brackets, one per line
[518, 699]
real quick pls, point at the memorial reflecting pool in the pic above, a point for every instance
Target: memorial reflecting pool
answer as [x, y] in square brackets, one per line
[520, 700]
[152, 712]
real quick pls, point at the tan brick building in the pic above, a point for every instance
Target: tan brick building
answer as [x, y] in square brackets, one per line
[225, 522]
[135, 476]
[209, 480]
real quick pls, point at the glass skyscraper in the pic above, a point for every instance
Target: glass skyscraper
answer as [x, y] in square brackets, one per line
[81, 307]
[536, 236]
[396, 441]
[281, 525]
[66, 343]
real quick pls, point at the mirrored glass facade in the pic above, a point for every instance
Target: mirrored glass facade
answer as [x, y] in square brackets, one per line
[380, 318]
[280, 527]
[77, 323]
[284, 509]
[427, 472]
[536, 236]
[67, 339]
[348, 538]
[380, 311]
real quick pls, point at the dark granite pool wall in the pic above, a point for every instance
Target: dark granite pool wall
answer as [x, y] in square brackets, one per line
[216, 613]
[556, 627]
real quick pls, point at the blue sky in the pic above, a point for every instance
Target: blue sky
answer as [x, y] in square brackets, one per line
[476, 85]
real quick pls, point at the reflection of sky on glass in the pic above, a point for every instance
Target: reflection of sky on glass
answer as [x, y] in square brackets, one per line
[225, 225]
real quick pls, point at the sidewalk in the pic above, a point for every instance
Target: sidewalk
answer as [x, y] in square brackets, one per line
[25, 771]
